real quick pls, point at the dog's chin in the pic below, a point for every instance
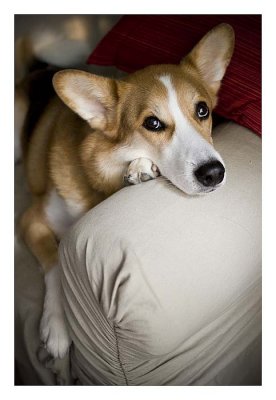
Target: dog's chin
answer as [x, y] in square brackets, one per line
[194, 189]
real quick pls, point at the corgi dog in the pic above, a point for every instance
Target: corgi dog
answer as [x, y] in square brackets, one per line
[97, 134]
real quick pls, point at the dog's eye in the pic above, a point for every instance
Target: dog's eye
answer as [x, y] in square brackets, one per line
[153, 124]
[202, 110]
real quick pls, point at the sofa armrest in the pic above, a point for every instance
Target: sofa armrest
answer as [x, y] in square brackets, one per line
[159, 286]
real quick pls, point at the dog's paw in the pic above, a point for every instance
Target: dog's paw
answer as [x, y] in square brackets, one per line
[141, 170]
[54, 334]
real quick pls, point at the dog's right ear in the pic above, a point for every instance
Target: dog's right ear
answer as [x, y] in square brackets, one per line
[93, 98]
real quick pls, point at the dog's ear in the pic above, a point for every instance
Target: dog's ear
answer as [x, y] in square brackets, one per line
[212, 55]
[93, 98]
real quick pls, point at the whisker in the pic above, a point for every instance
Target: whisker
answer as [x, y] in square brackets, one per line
[182, 174]
[189, 162]
[166, 181]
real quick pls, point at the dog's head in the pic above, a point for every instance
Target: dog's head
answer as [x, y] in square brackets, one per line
[162, 112]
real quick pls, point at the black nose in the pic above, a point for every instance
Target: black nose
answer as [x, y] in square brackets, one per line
[210, 174]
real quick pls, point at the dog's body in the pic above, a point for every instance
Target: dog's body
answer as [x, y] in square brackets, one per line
[80, 152]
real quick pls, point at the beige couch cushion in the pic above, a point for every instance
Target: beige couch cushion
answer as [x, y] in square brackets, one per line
[164, 289]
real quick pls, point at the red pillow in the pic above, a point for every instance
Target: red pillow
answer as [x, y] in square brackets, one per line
[140, 40]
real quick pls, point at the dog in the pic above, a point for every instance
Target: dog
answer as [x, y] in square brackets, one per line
[96, 134]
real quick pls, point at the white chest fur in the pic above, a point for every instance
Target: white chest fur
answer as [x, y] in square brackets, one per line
[61, 213]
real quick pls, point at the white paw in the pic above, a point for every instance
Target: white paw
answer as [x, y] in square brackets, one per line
[141, 170]
[54, 334]
[53, 329]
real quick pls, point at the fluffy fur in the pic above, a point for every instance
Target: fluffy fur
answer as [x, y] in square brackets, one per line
[91, 138]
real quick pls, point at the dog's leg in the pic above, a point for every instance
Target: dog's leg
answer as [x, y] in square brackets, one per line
[141, 170]
[43, 244]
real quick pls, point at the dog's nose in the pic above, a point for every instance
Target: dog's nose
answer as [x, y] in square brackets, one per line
[211, 173]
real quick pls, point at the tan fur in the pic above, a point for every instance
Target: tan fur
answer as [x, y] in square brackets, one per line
[64, 153]
[82, 148]
[38, 236]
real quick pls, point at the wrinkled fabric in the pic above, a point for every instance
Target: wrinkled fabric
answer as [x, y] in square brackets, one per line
[165, 289]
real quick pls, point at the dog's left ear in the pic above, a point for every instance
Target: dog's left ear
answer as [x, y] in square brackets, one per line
[212, 55]
[93, 98]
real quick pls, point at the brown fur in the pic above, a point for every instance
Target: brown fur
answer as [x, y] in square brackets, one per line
[81, 146]
[64, 153]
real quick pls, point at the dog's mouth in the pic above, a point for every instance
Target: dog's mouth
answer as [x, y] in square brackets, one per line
[203, 179]
[193, 188]
[213, 189]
